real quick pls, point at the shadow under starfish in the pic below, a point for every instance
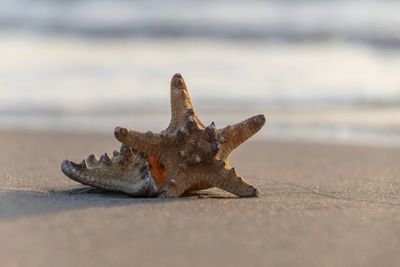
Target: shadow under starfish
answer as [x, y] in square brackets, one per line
[203, 194]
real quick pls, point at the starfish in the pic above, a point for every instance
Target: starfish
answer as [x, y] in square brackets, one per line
[194, 156]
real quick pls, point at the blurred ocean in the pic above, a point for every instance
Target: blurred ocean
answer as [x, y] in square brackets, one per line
[320, 70]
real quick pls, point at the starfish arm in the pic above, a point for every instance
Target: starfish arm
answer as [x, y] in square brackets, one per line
[175, 185]
[199, 186]
[208, 176]
[235, 135]
[181, 104]
[147, 143]
[229, 181]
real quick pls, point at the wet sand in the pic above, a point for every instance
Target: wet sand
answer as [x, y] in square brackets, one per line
[321, 205]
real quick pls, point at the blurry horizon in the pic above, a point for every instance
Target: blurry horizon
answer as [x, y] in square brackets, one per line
[320, 70]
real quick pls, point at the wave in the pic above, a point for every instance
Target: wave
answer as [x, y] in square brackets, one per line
[374, 23]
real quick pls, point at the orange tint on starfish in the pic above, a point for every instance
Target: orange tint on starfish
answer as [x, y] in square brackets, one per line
[157, 170]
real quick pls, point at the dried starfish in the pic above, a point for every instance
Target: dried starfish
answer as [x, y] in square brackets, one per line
[125, 172]
[194, 156]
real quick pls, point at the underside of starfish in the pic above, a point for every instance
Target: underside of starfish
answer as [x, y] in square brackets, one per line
[126, 172]
[193, 156]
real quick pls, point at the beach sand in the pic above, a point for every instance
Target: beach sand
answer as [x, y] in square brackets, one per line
[321, 205]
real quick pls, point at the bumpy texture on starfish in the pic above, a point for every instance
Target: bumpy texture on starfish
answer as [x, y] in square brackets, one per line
[194, 156]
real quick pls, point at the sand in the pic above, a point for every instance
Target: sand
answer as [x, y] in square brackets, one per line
[321, 205]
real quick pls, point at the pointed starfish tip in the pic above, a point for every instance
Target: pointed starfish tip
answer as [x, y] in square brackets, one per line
[257, 121]
[256, 193]
[177, 82]
[261, 118]
[119, 132]
[253, 192]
